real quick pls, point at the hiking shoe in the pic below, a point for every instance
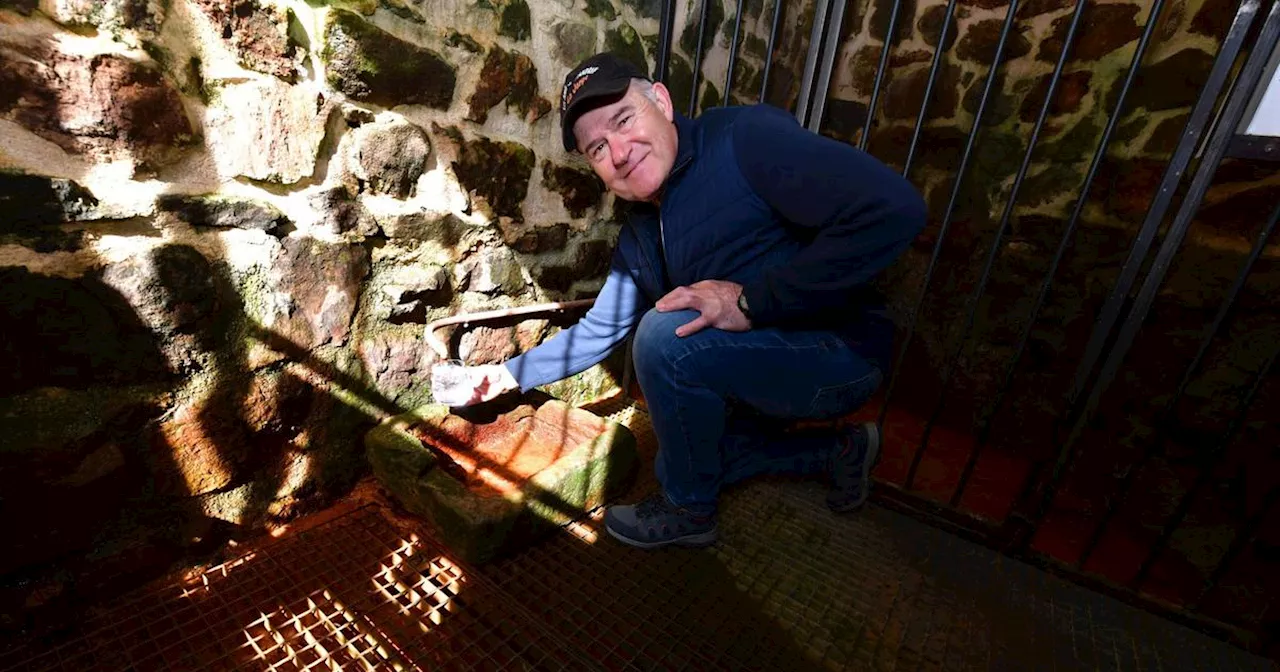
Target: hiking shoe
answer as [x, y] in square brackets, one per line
[851, 465]
[656, 522]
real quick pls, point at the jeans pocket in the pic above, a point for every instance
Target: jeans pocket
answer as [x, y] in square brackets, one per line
[835, 400]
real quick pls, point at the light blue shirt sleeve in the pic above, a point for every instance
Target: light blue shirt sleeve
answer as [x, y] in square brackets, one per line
[617, 309]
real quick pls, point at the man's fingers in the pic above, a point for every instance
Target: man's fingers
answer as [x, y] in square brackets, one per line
[679, 298]
[693, 327]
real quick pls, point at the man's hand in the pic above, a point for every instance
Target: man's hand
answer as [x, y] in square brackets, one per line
[493, 381]
[459, 386]
[716, 300]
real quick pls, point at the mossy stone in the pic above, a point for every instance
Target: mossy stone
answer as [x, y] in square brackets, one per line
[624, 42]
[463, 41]
[498, 172]
[370, 65]
[580, 190]
[689, 38]
[710, 97]
[601, 8]
[481, 526]
[514, 20]
[679, 81]
[34, 200]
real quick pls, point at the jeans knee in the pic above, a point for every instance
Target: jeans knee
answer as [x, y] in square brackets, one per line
[656, 342]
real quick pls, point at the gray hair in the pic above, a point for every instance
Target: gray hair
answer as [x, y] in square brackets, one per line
[645, 87]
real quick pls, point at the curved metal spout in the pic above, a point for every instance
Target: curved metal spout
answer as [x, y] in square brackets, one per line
[466, 319]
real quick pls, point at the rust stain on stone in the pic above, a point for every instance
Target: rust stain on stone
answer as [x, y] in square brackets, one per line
[497, 458]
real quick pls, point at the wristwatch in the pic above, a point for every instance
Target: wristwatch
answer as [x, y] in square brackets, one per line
[742, 305]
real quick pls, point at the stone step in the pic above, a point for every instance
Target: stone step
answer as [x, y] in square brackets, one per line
[494, 479]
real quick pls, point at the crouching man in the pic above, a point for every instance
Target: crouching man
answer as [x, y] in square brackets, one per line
[744, 274]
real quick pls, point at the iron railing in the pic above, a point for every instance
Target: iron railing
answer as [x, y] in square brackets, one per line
[1208, 134]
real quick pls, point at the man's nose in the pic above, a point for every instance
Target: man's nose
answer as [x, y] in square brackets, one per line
[621, 151]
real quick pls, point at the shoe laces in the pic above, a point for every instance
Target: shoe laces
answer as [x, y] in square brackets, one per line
[653, 505]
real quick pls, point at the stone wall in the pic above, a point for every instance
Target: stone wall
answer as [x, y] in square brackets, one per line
[226, 221]
[1243, 195]
[223, 225]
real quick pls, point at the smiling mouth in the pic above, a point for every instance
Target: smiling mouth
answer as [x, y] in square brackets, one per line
[634, 166]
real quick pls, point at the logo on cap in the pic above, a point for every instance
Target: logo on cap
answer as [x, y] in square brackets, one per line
[571, 87]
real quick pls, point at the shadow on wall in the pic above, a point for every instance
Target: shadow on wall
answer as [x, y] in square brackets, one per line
[138, 435]
[151, 420]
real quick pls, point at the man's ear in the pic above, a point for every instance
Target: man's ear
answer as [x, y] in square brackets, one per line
[664, 100]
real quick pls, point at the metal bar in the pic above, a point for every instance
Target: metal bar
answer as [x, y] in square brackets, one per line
[928, 89]
[1206, 471]
[811, 60]
[1195, 128]
[984, 430]
[733, 52]
[1242, 541]
[666, 25]
[953, 361]
[1162, 424]
[884, 63]
[892, 384]
[768, 56]
[1236, 100]
[831, 47]
[697, 57]
[987, 88]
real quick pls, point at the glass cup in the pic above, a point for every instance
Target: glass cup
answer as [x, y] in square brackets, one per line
[452, 383]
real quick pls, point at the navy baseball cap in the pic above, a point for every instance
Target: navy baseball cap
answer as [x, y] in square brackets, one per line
[599, 79]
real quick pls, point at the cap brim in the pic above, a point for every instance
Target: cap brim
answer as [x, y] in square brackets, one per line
[600, 94]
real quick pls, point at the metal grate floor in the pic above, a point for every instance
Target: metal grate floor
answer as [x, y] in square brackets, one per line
[789, 586]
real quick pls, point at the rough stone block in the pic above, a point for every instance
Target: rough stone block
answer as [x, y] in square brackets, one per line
[259, 34]
[371, 65]
[495, 479]
[34, 200]
[496, 173]
[103, 105]
[388, 158]
[267, 130]
[509, 76]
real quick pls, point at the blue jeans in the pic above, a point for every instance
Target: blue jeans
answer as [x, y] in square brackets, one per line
[719, 400]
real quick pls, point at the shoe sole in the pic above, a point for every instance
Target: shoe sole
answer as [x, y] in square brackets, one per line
[868, 464]
[689, 540]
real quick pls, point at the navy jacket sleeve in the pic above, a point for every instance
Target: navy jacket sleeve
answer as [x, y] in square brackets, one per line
[862, 214]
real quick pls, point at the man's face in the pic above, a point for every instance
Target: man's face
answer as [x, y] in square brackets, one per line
[631, 143]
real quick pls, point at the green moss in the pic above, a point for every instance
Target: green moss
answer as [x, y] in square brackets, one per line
[158, 53]
[689, 38]
[369, 64]
[515, 21]
[583, 388]
[1044, 187]
[624, 43]
[298, 38]
[679, 82]
[457, 39]
[710, 97]
[451, 132]
[1076, 144]
[478, 527]
[1002, 153]
[746, 83]
[601, 8]
[50, 418]
[498, 171]
[399, 9]
[1128, 130]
